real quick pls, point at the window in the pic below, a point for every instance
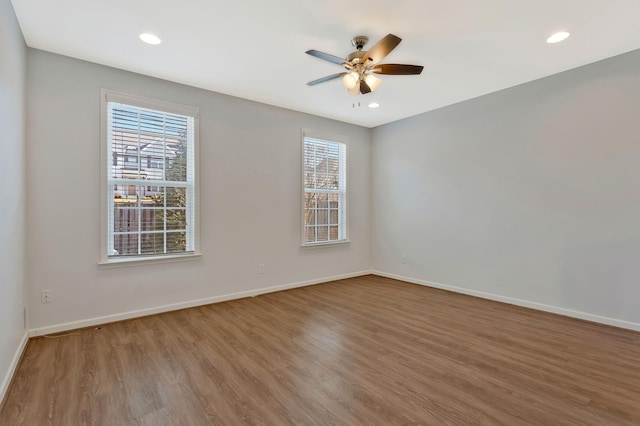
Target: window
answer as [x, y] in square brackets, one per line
[325, 190]
[149, 178]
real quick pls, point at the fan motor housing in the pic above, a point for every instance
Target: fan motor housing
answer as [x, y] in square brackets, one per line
[356, 57]
[358, 42]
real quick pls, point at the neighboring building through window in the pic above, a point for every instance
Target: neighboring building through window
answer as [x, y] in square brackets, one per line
[151, 177]
[325, 190]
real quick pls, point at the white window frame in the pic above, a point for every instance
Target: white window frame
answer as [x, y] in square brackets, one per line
[343, 215]
[106, 191]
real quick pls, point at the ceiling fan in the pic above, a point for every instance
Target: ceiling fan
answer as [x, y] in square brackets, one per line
[362, 64]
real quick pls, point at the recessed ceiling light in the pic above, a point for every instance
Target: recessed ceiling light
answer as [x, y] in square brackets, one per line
[150, 38]
[374, 105]
[558, 37]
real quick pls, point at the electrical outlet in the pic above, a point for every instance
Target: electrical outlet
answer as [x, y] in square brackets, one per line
[403, 259]
[261, 268]
[45, 296]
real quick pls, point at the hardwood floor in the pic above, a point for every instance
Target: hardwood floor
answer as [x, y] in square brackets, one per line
[366, 350]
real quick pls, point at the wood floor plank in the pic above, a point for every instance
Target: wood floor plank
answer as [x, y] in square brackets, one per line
[366, 350]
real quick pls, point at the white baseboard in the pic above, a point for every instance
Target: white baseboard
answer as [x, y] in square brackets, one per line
[89, 322]
[6, 381]
[518, 302]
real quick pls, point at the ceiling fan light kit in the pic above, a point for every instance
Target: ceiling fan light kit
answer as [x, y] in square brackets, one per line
[372, 81]
[362, 64]
[350, 80]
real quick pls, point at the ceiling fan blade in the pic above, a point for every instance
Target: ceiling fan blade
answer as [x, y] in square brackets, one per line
[325, 56]
[364, 87]
[327, 78]
[382, 48]
[397, 69]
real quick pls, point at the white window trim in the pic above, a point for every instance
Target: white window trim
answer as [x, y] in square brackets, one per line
[148, 260]
[332, 138]
[155, 104]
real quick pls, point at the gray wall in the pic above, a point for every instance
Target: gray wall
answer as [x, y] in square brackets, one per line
[12, 188]
[250, 197]
[530, 193]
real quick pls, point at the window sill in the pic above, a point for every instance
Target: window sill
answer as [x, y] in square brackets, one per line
[151, 260]
[326, 244]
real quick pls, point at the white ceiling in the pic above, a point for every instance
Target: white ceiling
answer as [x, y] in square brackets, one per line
[254, 49]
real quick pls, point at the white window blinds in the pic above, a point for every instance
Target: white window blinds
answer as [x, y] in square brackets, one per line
[325, 191]
[151, 181]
